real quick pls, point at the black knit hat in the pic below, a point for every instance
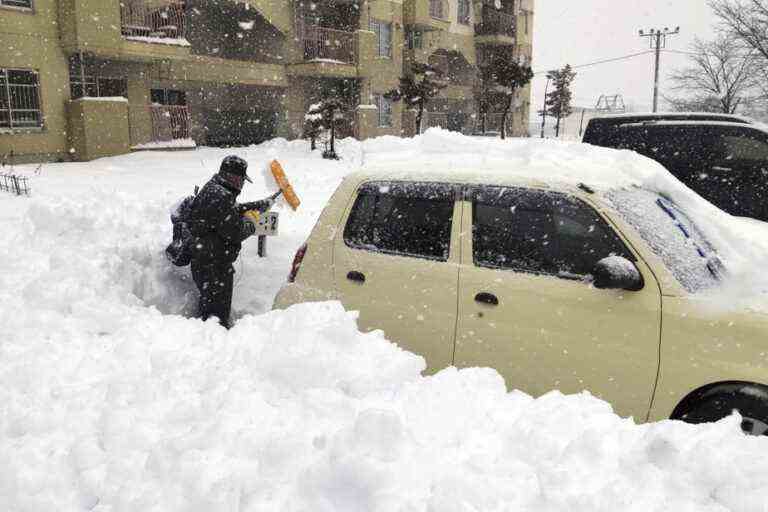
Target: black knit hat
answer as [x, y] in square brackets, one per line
[236, 166]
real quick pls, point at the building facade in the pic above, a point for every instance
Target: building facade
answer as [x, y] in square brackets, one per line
[82, 79]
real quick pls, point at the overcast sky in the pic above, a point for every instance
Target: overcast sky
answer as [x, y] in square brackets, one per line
[582, 31]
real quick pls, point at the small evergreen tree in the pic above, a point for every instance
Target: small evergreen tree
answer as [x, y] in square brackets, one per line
[417, 89]
[313, 126]
[509, 76]
[328, 110]
[559, 100]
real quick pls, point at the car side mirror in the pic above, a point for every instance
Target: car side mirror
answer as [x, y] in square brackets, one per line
[617, 273]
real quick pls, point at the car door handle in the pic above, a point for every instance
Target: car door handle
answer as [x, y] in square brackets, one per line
[487, 298]
[357, 277]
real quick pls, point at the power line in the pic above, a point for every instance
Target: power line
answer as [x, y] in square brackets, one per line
[605, 61]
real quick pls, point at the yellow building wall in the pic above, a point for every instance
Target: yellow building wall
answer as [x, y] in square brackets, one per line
[29, 40]
[380, 75]
[98, 128]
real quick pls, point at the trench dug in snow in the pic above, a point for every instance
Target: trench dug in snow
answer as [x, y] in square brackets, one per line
[112, 400]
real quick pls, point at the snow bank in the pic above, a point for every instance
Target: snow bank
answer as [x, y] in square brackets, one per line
[112, 400]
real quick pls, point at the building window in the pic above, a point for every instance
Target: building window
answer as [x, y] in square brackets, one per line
[85, 82]
[168, 97]
[24, 4]
[98, 87]
[383, 32]
[385, 111]
[464, 12]
[20, 99]
[415, 39]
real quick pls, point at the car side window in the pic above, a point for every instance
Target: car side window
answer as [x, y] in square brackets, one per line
[406, 219]
[540, 232]
[740, 146]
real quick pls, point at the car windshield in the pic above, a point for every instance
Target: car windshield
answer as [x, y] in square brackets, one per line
[673, 236]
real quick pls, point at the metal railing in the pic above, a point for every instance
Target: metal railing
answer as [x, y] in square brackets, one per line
[143, 19]
[434, 120]
[495, 22]
[14, 184]
[169, 122]
[438, 9]
[328, 44]
[19, 103]
[491, 122]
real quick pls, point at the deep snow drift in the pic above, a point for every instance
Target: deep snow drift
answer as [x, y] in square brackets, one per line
[111, 400]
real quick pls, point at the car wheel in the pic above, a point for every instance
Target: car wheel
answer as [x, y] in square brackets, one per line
[753, 410]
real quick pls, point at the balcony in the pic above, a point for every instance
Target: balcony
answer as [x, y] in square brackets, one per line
[328, 45]
[491, 123]
[169, 123]
[152, 20]
[427, 15]
[438, 9]
[496, 24]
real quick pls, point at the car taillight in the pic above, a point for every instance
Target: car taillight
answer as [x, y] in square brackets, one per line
[297, 263]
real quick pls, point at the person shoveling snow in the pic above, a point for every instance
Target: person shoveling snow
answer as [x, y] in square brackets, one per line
[217, 226]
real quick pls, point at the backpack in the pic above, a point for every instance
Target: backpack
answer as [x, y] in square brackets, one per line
[179, 251]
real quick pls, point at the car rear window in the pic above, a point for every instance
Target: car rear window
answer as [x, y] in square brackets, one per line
[405, 219]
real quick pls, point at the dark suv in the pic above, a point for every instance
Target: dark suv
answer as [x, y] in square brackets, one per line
[723, 158]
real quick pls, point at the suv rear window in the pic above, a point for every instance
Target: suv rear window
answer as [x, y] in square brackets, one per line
[406, 219]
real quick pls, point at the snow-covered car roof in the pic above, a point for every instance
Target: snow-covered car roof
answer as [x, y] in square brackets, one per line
[451, 157]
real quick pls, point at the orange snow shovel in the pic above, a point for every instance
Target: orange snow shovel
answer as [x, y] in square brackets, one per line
[282, 181]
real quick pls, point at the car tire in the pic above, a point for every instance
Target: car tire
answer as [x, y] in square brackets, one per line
[751, 403]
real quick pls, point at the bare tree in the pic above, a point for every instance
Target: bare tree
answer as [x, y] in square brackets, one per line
[720, 77]
[745, 19]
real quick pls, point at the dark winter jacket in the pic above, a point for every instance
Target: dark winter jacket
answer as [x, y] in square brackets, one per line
[217, 224]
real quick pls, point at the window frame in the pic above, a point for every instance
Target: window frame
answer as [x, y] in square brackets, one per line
[385, 115]
[23, 8]
[6, 85]
[376, 27]
[467, 20]
[471, 195]
[182, 94]
[415, 39]
[454, 191]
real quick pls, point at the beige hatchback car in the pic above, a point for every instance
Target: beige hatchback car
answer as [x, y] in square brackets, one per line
[553, 285]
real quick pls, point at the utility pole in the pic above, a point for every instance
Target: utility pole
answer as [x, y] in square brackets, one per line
[658, 40]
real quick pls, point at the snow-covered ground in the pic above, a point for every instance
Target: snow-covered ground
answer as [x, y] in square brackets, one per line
[112, 400]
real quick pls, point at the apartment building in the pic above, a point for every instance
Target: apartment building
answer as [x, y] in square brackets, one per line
[83, 79]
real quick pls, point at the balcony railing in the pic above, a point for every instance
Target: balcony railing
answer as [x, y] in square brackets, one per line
[327, 44]
[491, 122]
[438, 9]
[169, 123]
[434, 120]
[145, 19]
[494, 22]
